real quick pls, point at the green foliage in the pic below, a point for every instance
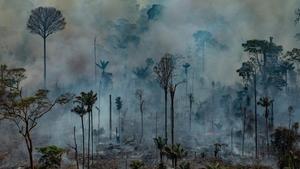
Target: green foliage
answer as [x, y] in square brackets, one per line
[51, 157]
[87, 100]
[136, 164]
[284, 143]
[160, 143]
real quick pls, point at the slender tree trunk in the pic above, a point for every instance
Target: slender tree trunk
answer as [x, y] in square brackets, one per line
[244, 124]
[45, 65]
[142, 121]
[29, 148]
[75, 148]
[255, 118]
[190, 116]
[83, 153]
[119, 125]
[110, 120]
[92, 133]
[267, 128]
[166, 115]
[172, 93]
[89, 140]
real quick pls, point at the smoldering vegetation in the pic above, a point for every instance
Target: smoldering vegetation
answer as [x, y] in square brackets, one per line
[149, 84]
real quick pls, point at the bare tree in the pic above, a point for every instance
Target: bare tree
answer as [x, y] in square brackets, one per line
[45, 21]
[164, 70]
[139, 94]
[24, 111]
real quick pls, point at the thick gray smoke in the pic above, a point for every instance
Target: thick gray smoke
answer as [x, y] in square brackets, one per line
[128, 32]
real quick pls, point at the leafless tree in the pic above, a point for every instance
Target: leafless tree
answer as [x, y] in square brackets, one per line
[164, 70]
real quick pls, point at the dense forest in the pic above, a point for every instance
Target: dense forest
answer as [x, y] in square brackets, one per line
[147, 84]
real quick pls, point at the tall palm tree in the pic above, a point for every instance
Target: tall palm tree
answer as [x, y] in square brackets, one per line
[45, 21]
[266, 102]
[164, 70]
[102, 65]
[79, 110]
[160, 144]
[89, 99]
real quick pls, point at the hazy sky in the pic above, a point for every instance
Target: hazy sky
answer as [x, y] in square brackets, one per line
[71, 50]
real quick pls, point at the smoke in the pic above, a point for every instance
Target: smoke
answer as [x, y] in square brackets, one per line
[129, 31]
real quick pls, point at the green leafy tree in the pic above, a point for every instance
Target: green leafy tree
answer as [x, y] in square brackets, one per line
[45, 21]
[24, 111]
[160, 144]
[51, 157]
[284, 146]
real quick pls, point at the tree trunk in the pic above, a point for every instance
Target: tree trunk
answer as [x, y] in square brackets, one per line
[255, 118]
[161, 156]
[267, 128]
[142, 121]
[244, 123]
[83, 153]
[92, 132]
[172, 93]
[166, 115]
[45, 65]
[89, 140]
[190, 116]
[29, 149]
[75, 148]
[110, 120]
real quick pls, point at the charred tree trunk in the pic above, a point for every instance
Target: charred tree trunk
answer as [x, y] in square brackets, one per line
[83, 153]
[110, 120]
[89, 140]
[267, 128]
[75, 148]
[45, 65]
[92, 133]
[255, 117]
[172, 94]
[166, 114]
[244, 126]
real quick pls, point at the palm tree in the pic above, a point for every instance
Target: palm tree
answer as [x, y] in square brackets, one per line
[160, 144]
[119, 105]
[164, 70]
[266, 102]
[139, 95]
[45, 21]
[136, 164]
[89, 99]
[102, 65]
[175, 152]
[79, 110]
